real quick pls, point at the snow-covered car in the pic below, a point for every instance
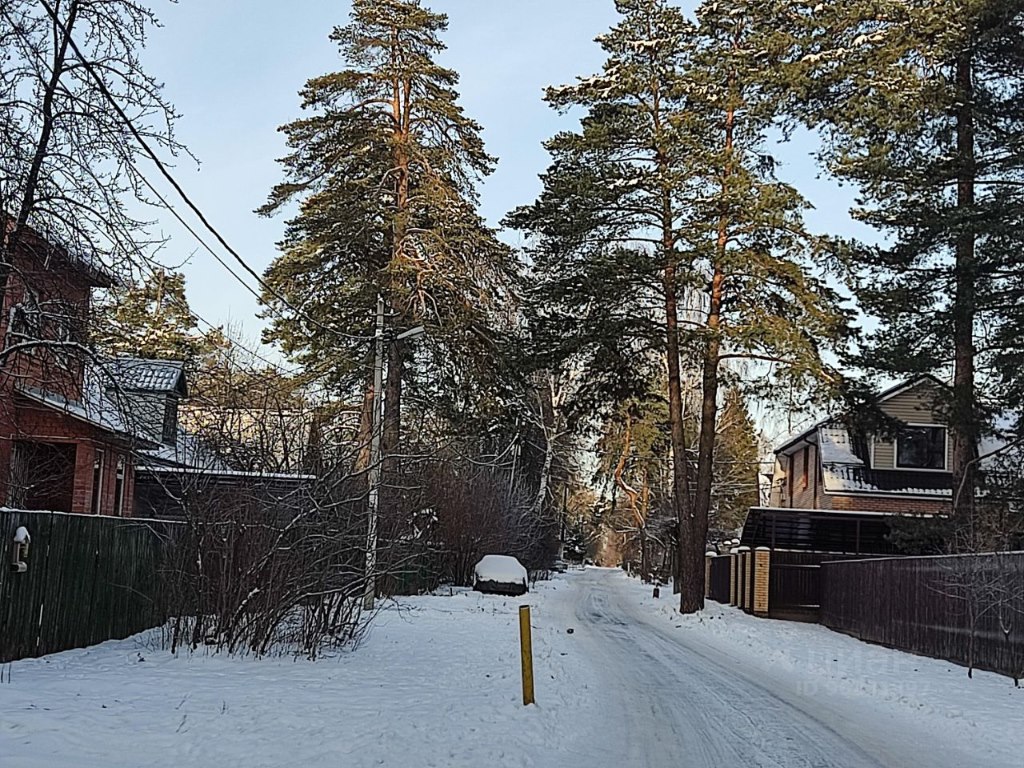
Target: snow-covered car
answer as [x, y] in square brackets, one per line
[500, 575]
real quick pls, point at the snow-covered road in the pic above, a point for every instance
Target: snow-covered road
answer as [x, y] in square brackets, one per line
[436, 685]
[674, 699]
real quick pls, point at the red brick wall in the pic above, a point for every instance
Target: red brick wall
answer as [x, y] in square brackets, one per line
[39, 367]
[41, 424]
[891, 504]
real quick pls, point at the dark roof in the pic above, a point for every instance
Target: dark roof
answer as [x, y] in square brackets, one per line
[818, 530]
[854, 480]
[136, 374]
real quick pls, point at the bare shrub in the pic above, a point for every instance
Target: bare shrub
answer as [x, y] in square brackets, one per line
[258, 573]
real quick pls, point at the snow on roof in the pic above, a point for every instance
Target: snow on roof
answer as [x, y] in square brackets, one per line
[838, 478]
[836, 447]
[143, 375]
[228, 473]
[187, 451]
[95, 407]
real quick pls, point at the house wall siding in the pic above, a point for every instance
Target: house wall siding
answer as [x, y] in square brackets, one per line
[803, 485]
[918, 405]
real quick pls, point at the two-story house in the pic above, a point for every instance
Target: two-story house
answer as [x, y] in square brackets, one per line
[87, 434]
[825, 468]
[832, 491]
[65, 445]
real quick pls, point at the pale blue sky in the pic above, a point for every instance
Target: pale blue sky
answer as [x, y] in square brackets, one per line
[233, 68]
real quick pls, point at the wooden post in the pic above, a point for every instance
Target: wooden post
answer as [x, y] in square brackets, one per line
[526, 651]
[762, 575]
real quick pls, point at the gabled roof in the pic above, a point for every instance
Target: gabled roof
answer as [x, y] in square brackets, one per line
[829, 422]
[137, 374]
[899, 389]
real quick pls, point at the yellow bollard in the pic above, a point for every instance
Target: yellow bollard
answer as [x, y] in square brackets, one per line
[526, 648]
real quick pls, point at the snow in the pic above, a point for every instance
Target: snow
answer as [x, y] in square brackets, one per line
[838, 479]
[836, 447]
[890, 688]
[502, 569]
[436, 683]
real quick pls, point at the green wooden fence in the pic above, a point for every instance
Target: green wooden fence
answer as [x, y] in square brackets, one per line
[89, 579]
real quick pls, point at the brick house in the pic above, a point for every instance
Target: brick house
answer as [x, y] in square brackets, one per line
[65, 442]
[833, 491]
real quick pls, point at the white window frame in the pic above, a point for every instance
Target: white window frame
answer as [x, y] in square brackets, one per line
[945, 450]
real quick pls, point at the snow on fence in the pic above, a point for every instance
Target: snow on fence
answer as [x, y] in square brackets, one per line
[967, 609]
[87, 579]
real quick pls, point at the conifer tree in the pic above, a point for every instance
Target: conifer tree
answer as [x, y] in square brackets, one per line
[922, 105]
[384, 168]
[663, 214]
[152, 320]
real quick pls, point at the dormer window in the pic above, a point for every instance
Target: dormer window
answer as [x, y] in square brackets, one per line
[921, 447]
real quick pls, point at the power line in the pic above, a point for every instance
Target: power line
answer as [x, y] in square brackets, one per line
[177, 187]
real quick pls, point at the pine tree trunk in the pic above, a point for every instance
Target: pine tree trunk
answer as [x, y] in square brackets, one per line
[963, 421]
[688, 579]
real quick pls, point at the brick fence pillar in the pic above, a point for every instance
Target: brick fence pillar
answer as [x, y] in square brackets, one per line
[734, 578]
[762, 574]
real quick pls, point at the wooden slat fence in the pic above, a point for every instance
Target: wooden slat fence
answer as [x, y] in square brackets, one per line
[967, 609]
[795, 584]
[719, 582]
[89, 579]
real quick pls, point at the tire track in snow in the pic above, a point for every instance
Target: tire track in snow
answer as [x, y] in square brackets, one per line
[670, 702]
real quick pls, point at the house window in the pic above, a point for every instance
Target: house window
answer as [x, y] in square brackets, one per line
[97, 482]
[119, 487]
[805, 478]
[921, 448]
[62, 322]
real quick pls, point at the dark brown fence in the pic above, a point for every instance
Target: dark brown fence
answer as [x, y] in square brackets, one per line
[968, 609]
[719, 581]
[795, 584]
[89, 579]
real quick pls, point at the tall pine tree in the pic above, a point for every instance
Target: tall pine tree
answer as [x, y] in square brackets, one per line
[666, 201]
[384, 168]
[922, 105]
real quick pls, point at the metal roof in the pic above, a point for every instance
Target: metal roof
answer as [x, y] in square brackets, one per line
[95, 408]
[852, 480]
[137, 374]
